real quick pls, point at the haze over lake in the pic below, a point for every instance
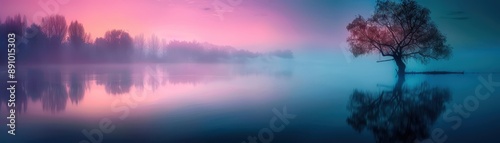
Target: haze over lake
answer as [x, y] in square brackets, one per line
[228, 102]
[249, 71]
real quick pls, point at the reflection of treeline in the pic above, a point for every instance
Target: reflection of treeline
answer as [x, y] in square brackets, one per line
[52, 88]
[56, 87]
[54, 41]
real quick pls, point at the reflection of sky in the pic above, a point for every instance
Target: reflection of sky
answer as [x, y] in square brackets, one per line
[238, 101]
[86, 91]
[281, 24]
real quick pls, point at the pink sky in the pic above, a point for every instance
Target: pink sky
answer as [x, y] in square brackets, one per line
[250, 24]
[254, 24]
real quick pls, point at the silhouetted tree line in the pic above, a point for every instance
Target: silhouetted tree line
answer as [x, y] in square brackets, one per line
[53, 41]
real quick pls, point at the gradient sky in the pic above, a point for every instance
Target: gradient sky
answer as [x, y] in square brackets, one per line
[257, 22]
[263, 24]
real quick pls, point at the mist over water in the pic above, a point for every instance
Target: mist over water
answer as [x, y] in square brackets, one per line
[249, 71]
[193, 102]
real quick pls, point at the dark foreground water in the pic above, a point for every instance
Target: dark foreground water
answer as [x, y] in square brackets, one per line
[198, 103]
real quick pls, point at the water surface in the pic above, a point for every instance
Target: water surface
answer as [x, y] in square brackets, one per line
[230, 102]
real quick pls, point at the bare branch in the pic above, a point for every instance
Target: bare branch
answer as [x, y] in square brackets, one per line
[385, 60]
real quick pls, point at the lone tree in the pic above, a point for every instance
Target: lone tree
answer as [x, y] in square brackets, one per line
[401, 30]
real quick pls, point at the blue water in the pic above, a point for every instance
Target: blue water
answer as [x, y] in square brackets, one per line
[197, 103]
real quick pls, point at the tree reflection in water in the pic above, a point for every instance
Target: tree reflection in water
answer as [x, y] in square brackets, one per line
[403, 114]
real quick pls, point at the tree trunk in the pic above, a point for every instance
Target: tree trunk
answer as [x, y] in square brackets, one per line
[401, 66]
[398, 88]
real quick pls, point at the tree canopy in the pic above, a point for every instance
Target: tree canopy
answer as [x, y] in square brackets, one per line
[76, 34]
[55, 28]
[401, 30]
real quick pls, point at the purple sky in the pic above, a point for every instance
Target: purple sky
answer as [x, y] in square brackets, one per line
[256, 24]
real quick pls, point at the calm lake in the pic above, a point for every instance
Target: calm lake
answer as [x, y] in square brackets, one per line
[198, 103]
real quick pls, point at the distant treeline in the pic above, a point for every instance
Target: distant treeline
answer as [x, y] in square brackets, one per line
[53, 41]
